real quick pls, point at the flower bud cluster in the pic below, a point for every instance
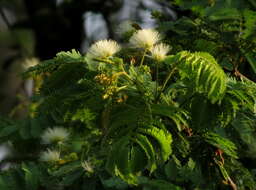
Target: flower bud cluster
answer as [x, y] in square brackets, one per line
[110, 91]
[103, 79]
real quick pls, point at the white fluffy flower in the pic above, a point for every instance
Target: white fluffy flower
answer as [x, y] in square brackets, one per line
[103, 49]
[30, 62]
[145, 38]
[159, 51]
[50, 156]
[87, 166]
[57, 134]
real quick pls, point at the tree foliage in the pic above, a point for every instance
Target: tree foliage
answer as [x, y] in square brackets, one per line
[185, 122]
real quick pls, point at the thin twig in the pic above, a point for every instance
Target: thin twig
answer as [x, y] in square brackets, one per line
[165, 82]
[142, 59]
[156, 79]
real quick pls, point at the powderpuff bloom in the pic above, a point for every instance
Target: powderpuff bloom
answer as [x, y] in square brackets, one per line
[145, 38]
[159, 51]
[103, 49]
[87, 166]
[30, 62]
[50, 156]
[52, 135]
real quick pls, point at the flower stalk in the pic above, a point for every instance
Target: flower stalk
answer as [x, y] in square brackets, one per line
[165, 82]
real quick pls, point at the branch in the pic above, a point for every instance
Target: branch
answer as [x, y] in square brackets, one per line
[5, 18]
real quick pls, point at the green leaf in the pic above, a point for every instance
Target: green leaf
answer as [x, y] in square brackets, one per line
[164, 139]
[70, 167]
[251, 58]
[171, 170]
[178, 115]
[70, 178]
[157, 184]
[3, 184]
[206, 46]
[51, 65]
[112, 157]
[181, 26]
[115, 182]
[24, 129]
[225, 14]
[123, 116]
[203, 113]
[202, 73]
[118, 162]
[245, 127]
[138, 159]
[35, 127]
[242, 92]
[250, 23]
[8, 130]
[32, 176]
[147, 147]
[224, 144]
[72, 56]
[122, 158]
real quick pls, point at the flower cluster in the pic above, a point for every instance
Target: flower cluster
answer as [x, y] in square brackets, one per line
[52, 135]
[147, 39]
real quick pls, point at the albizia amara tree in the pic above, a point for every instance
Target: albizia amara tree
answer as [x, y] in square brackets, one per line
[141, 115]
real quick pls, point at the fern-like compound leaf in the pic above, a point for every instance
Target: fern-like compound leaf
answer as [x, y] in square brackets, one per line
[222, 143]
[163, 138]
[201, 72]
[147, 147]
